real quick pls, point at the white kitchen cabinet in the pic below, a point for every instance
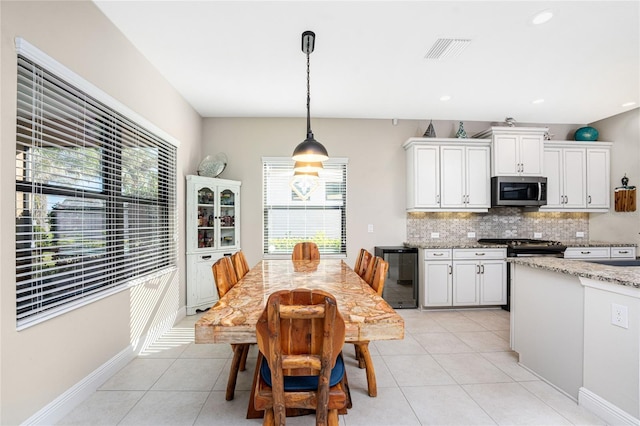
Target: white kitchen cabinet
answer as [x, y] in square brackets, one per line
[598, 178]
[213, 205]
[463, 277]
[616, 252]
[436, 270]
[628, 252]
[566, 172]
[479, 277]
[577, 176]
[448, 174]
[423, 177]
[465, 177]
[516, 151]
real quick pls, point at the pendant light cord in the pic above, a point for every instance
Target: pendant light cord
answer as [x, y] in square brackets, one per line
[309, 132]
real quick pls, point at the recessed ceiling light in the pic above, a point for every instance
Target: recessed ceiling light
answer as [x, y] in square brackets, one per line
[538, 101]
[626, 104]
[445, 98]
[542, 17]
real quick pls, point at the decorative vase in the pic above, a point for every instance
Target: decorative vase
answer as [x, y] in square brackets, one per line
[431, 132]
[461, 133]
[586, 134]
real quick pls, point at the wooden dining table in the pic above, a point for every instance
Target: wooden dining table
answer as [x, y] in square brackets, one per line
[367, 316]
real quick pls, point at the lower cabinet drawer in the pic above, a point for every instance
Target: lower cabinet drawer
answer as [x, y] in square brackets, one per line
[586, 252]
[623, 252]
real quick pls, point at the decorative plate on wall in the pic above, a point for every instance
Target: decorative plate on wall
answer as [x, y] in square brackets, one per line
[212, 166]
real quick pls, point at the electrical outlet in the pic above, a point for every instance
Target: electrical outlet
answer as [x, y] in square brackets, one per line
[435, 235]
[537, 235]
[580, 234]
[370, 227]
[619, 315]
[471, 234]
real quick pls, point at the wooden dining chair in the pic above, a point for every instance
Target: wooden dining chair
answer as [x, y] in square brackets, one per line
[240, 264]
[362, 262]
[306, 250]
[377, 275]
[300, 336]
[225, 278]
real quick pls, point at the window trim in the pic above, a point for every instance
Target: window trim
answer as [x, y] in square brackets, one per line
[30, 52]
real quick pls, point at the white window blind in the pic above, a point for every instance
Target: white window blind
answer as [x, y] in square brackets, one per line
[288, 219]
[95, 197]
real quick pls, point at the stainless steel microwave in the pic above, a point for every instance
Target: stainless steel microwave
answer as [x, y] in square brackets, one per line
[518, 191]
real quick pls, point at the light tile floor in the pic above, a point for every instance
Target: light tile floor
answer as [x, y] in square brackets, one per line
[452, 368]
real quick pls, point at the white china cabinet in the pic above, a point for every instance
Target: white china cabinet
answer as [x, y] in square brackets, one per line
[213, 230]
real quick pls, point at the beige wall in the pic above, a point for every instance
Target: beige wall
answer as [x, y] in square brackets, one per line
[42, 362]
[376, 172]
[624, 131]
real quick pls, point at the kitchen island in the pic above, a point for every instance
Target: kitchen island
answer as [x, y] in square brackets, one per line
[576, 324]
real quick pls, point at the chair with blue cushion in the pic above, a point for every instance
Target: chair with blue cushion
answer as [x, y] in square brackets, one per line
[300, 336]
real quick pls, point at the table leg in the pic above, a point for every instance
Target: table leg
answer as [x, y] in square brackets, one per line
[363, 349]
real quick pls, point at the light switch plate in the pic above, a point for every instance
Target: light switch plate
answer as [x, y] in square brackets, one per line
[435, 235]
[580, 234]
[370, 227]
[537, 235]
[471, 234]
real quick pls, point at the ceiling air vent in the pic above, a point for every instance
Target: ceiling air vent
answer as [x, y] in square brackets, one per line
[447, 48]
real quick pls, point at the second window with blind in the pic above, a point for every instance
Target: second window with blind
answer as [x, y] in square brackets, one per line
[304, 210]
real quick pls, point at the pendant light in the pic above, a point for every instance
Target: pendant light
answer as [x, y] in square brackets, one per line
[303, 167]
[309, 150]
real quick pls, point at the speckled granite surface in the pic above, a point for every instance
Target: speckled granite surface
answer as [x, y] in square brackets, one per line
[453, 245]
[582, 243]
[628, 276]
[475, 244]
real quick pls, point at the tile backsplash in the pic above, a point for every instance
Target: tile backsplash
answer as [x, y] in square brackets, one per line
[498, 223]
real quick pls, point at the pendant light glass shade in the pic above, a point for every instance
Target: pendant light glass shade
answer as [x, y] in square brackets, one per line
[309, 150]
[305, 167]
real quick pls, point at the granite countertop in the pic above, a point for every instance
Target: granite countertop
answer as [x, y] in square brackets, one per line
[627, 276]
[474, 244]
[452, 245]
[583, 243]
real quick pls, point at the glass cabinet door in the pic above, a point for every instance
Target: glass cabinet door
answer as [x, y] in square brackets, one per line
[227, 218]
[206, 218]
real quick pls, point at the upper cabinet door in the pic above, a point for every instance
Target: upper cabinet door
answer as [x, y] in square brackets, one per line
[453, 173]
[598, 178]
[506, 155]
[531, 155]
[426, 183]
[478, 180]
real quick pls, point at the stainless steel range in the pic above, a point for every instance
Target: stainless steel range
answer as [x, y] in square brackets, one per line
[528, 247]
[517, 247]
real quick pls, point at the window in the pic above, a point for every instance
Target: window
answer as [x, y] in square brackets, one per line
[95, 197]
[289, 219]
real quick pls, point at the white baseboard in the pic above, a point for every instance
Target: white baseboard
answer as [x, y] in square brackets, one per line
[608, 412]
[65, 403]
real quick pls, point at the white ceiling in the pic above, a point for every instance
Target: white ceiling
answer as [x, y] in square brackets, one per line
[244, 58]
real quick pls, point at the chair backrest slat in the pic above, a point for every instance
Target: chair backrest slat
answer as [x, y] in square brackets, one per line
[305, 250]
[224, 275]
[362, 262]
[240, 264]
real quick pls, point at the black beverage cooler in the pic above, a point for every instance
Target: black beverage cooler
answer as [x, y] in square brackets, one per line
[401, 284]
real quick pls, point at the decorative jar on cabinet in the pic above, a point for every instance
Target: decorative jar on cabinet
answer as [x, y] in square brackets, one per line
[213, 230]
